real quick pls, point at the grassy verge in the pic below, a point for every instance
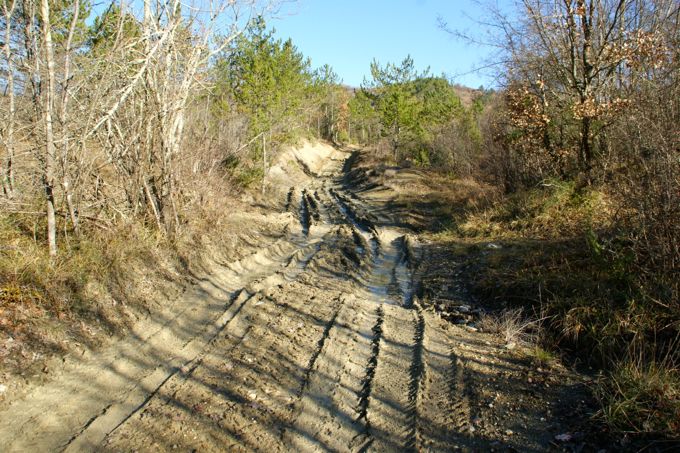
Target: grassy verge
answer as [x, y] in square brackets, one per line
[92, 291]
[99, 285]
[558, 254]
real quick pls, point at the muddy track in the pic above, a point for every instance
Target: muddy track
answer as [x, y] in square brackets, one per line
[312, 206]
[305, 215]
[289, 199]
[360, 219]
[314, 340]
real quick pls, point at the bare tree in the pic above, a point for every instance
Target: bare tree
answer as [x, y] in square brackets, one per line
[564, 62]
[48, 114]
[118, 105]
[7, 137]
[64, 116]
[180, 40]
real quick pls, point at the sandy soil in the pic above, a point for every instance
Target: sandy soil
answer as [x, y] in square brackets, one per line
[317, 339]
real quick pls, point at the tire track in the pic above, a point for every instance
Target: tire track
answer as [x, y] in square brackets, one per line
[136, 398]
[305, 215]
[320, 202]
[416, 371]
[364, 438]
[289, 199]
[388, 413]
[319, 347]
[132, 374]
[361, 221]
[248, 349]
[459, 395]
[364, 232]
[312, 207]
[326, 419]
[443, 405]
[119, 412]
[405, 270]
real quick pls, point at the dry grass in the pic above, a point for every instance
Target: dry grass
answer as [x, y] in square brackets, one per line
[555, 210]
[512, 325]
[93, 290]
[102, 280]
[558, 252]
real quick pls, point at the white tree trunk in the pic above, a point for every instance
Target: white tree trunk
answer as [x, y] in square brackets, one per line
[264, 163]
[50, 157]
[64, 158]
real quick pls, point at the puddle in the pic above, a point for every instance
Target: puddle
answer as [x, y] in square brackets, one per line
[390, 281]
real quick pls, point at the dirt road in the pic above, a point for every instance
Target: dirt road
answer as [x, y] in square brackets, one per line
[315, 340]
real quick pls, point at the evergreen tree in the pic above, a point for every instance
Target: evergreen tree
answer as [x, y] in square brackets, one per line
[268, 79]
[364, 117]
[411, 108]
[104, 31]
[393, 94]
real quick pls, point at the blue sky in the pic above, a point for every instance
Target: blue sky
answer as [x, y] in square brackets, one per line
[348, 34]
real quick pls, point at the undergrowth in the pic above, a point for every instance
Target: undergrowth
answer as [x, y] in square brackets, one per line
[642, 395]
[556, 209]
[94, 289]
[558, 251]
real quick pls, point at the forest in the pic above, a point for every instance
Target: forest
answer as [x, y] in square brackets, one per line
[131, 131]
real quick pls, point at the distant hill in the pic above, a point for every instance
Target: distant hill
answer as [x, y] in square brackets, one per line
[467, 94]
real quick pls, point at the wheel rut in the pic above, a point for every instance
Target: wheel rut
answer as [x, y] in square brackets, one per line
[416, 371]
[389, 410]
[326, 419]
[135, 370]
[245, 384]
[316, 340]
[364, 438]
[305, 215]
[319, 348]
[289, 199]
[118, 413]
[360, 219]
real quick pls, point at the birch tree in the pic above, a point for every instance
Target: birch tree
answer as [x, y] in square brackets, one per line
[191, 35]
[48, 115]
